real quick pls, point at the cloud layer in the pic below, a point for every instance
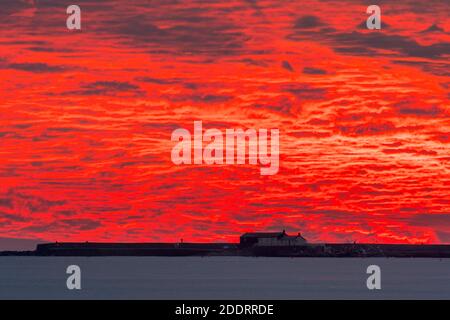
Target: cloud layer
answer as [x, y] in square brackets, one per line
[364, 119]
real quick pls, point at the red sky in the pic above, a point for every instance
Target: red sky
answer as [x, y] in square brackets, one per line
[86, 119]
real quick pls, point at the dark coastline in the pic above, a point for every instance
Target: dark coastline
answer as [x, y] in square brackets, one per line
[235, 249]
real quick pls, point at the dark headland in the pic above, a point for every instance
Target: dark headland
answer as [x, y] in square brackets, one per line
[258, 244]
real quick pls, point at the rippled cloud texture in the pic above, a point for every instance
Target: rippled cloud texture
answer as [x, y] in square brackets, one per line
[86, 119]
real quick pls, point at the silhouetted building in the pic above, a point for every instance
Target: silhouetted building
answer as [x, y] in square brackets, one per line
[271, 239]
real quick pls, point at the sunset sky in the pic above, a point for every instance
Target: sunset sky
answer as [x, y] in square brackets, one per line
[87, 117]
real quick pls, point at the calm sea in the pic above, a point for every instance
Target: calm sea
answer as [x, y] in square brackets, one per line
[223, 278]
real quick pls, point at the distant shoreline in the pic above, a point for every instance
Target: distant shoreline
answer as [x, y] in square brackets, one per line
[328, 250]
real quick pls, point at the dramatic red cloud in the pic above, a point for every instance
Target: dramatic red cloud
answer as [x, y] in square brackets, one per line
[86, 119]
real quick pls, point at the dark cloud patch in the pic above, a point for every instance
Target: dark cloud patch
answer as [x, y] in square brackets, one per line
[103, 209]
[314, 71]
[161, 126]
[64, 224]
[26, 42]
[49, 49]
[63, 129]
[283, 105]
[443, 137]
[304, 91]
[368, 129]
[253, 62]
[308, 134]
[12, 217]
[436, 68]
[426, 7]
[6, 202]
[107, 88]
[9, 7]
[158, 80]
[421, 112]
[23, 125]
[286, 65]
[201, 98]
[34, 204]
[413, 108]
[410, 150]
[167, 82]
[187, 36]
[359, 51]
[318, 122]
[433, 28]
[66, 212]
[308, 22]
[43, 6]
[40, 228]
[35, 67]
[361, 42]
[125, 164]
[111, 85]
[358, 43]
[165, 26]
[430, 220]
[444, 237]
[81, 224]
